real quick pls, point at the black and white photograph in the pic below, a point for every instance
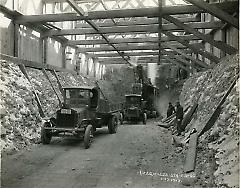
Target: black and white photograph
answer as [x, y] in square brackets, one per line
[119, 94]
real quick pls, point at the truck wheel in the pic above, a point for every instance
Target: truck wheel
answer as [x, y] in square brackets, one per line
[112, 125]
[144, 118]
[88, 136]
[46, 135]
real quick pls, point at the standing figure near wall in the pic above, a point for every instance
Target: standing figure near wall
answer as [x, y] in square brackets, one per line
[179, 117]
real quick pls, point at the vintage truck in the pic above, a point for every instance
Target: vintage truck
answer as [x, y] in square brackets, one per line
[83, 110]
[135, 108]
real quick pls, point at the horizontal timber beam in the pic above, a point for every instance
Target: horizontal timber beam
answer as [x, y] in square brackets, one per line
[132, 29]
[122, 48]
[143, 53]
[129, 40]
[136, 21]
[142, 12]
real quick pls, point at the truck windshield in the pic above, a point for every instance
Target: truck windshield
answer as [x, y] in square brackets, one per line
[133, 100]
[77, 97]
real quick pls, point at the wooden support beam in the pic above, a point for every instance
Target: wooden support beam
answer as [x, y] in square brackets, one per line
[122, 48]
[198, 62]
[129, 40]
[40, 109]
[142, 12]
[63, 56]
[195, 49]
[142, 53]
[56, 93]
[135, 21]
[217, 12]
[132, 29]
[16, 39]
[160, 28]
[58, 81]
[73, 4]
[220, 45]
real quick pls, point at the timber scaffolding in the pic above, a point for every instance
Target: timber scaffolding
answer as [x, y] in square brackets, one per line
[123, 31]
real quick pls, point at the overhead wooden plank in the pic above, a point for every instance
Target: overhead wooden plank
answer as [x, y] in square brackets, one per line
[136, 21]
[132, 29]
[218, 44]
[195, 49]
[190, 160]
[124, 48]
[128, 40]
[142, 12]
[217, 12]
[132, 54]
[198, 62]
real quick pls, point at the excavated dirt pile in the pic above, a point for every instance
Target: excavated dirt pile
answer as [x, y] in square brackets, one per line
[20, 120]
[217, 162]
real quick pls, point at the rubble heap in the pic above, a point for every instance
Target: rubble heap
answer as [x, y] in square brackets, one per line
[20, 120]
[217, 148]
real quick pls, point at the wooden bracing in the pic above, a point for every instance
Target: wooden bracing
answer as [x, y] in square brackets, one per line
[151, 29]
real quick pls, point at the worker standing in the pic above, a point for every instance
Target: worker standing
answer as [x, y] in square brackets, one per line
[170, 109]
[179, 117]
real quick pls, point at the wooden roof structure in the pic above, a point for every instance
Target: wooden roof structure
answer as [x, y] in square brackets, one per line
[152, 31]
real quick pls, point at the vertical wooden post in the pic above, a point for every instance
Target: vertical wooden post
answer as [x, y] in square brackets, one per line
[160, 3]
[94, 67]
[63, 56]
[16, 40]
[224, 39]
[87, 61]
[45, 44]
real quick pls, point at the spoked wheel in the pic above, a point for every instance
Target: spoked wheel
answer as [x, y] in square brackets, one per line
[113, 125]
[88, 135]
[46, 135]
[144, 118]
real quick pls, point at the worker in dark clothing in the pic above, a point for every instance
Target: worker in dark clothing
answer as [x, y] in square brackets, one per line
[170, 109]
[179, 117]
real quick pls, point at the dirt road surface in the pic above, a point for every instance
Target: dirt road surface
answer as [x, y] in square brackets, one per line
[126, 159]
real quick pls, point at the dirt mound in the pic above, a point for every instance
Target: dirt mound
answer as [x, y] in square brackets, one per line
[20, 120]
[217, 161]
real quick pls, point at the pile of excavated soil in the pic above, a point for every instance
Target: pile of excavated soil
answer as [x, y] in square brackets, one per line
[217, 157]
[20, 120]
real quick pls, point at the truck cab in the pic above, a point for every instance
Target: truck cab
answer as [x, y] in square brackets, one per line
[134, 108]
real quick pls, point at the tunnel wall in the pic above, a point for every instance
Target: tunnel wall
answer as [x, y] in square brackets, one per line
[218, 148]
[30, 46]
